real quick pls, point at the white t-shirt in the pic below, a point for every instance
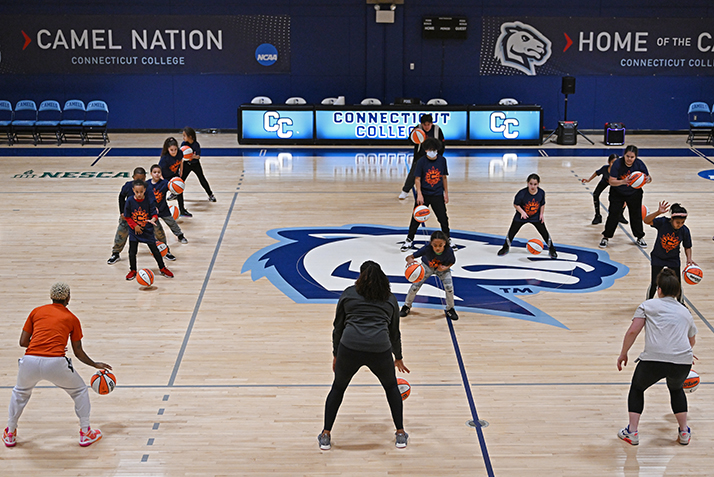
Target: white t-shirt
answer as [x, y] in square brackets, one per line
[668, 327]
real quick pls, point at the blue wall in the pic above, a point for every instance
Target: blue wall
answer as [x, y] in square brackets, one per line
[338, 49]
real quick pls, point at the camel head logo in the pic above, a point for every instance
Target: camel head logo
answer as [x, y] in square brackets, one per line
[522, 47]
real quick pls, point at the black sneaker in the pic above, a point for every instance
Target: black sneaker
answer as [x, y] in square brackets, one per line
[186, 213]
[113, 259]
[552, 252]
[169, 256]
[641, 242]
[451, 314]
[453, 245]
[596, 220]
[504, 250]
[211, 198]
[404, 311]
[603, 242]
[623, 220]
[408, 243]
[171, 196]
[182, 239]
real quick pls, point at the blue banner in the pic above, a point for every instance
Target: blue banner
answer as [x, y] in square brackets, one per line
[144, 44]
[505, 126]
[597, 46]
[277, 124]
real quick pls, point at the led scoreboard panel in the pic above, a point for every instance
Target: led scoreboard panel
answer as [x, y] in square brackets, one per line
[510, 125]
[383, 125]
[387, 125]
[261, 124]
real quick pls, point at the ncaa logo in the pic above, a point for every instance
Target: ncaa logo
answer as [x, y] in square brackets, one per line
[499, 123]
[315, 264]
[266, 54]
[272, 122]
[522, 47]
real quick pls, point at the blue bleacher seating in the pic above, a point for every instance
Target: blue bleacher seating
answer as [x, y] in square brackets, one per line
[6, 117]
[73, 116]
[48, 120]
[700, 122]
[95, 123]
[25, 119]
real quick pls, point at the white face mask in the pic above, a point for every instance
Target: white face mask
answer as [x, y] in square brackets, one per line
[431, 154]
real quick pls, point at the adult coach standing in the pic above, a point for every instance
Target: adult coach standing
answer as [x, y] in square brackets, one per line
[45, 336]
[621, 193]
[426, 124]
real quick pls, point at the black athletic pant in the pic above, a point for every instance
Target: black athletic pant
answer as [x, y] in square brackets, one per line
[195, 167]
[347, 364]
[653, 281]
[409, 182]
[648, 373]
[601, 186]
[134, 247]
[439, 207]
[540, 227]
[634, 205]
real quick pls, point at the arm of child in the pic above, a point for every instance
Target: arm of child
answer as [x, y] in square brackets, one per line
[520, 210]
[591, 178]
[411, 259]
[446, 189]
[542, 212]
[417, 184]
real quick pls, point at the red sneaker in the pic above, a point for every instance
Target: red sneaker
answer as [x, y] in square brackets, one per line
[131, 275]
[92, 436]
[166, 272]
[9, 438]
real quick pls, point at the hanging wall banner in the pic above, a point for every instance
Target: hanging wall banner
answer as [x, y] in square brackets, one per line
[143, 44]
[597, 46]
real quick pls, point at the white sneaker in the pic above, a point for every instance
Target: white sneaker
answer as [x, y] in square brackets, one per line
[403, 195]
[685, 436]
[407, 245]
[629, 437]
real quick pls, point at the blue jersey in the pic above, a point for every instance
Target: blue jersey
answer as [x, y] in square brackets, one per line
[140, 212]
[530, 203]
[619, 170]
[430, 258]
[431, 174]
[171, 165]
[666, 248]
[160, 190]
[195, 147]
[127, 190]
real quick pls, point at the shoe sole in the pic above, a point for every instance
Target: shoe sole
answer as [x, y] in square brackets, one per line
[628, 440]
[325, 447]
[172, 259]
[400, 446]
[87, 444]
[14, 443]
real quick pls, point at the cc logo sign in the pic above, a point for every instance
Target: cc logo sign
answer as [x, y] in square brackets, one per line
[272, 122]
[500, 124]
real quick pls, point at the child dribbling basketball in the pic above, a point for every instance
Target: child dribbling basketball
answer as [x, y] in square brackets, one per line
[160, 187]
[194, 163]
[171, 163]
[141, 214]
[604, 183]
[530, 208]
[671, 233]
[437, 258]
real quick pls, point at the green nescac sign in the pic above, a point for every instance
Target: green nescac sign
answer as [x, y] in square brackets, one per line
[71, 175]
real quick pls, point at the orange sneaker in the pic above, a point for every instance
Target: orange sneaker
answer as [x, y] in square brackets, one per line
[166, 272]
[9, 437]
[90, 437]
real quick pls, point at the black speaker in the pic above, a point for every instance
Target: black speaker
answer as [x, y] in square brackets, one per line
[614, 134]
[567, 133]
[568, 86]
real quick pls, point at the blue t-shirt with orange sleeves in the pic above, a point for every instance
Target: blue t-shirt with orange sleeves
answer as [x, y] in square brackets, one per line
[430, 258]
[666, 248]
[619, 170]
[140, 212]
[171, 165]
[530, 203]
[431, 174]
[195, 147]
[160, 190]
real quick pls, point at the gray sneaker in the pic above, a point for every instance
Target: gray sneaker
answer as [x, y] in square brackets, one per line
[324, 440]
[401, 439]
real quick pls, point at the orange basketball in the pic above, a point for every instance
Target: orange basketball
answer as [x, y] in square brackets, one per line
[187, 152]
[405, 388]
[414, 272]
[535, 246]
[163, 248]
[103, 381]
[418, 136]
[174, 211]
[645, 212]
[177, 185]
[637, 180]
[692, 381]
[145, 277]
[692, 274]
[421, 213]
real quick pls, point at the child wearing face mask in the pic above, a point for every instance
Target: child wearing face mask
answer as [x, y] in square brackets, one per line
[426, 124]
[432, 190]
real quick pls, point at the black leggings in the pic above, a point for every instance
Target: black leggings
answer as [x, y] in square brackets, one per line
[195, 167]
[134, 247]
[648, 373]
[653, 281]
[540, 227]
[409, 182]
[347, 364]
[439, 207]
[617, 202]
[601, 186]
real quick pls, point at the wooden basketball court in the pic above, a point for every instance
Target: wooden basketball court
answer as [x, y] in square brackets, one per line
[220, 374]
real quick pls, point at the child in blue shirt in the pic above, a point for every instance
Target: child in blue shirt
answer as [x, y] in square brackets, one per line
[171, 163]
[194, 164]
[437, 258]
[160, 188]
[530, 208]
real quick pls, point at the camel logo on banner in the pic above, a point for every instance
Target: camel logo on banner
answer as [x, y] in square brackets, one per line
[315, 264]
[522, 47]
